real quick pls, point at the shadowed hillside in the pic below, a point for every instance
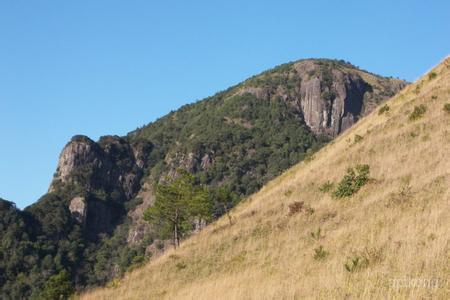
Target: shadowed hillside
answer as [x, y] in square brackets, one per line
[366, 217]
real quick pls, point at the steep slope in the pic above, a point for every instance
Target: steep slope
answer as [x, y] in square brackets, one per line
[90, 222]
[387, 240]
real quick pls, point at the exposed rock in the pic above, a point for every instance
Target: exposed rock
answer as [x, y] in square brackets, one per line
[329, 96]
[206, 162]
[139, 227]
[258, 92]
[186, 161]
[109, 166]
[104, 174]
[78, 209]
[199, 224]
[79, 152]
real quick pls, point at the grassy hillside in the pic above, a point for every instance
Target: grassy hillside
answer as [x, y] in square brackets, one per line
[390, 239]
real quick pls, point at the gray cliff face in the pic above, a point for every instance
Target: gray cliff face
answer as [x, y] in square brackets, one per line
[103, 175]
[111, 165]
[78, 153]
[332, 109]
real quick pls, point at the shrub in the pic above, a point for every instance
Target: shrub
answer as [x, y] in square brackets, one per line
[384, 109]
[328, 95]
[357, 138]
[288, 193]
[320, 253]
[447, 108]
[366, 257]
[401, 197]
[352, 181]
[317, 235]
[299, 206]
[432, 75]
[58, 287]
[115, 283]
[180, 265]
[326, 187]
[418, 112]
[355, 263]
[296, 207]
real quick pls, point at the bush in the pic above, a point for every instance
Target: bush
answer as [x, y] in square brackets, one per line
[358, 138]
[58, 287]
[320, 253]
[326, 187]
[432, 75]
[447, 108]
[355, 263]
[365, 258]
[317, 235]
[296, 207]
[384, 109]
[180, 265]
[418, 112]
[352, 181]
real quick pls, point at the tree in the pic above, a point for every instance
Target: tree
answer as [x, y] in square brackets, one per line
[57, 287]
[224, 200]
[177, 205]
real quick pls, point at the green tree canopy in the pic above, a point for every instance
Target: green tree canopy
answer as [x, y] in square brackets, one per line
[57, 287]
[178, 204]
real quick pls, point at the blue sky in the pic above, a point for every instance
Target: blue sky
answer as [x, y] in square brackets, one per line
[107, 67]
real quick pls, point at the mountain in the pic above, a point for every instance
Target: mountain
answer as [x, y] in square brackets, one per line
[365, 217]
[89, 227]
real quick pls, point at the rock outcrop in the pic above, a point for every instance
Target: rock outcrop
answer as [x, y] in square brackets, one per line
[78, 209]
[112, 166]
[330, 96]
[99, 176]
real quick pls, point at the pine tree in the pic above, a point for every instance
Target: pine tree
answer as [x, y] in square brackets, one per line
[177, 205]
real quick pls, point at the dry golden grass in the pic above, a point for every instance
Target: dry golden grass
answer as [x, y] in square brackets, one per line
[398, 224]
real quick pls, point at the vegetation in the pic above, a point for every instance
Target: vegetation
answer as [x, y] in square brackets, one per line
[320, 253]
[353, 181]
[296, 207]
[355, 263]
[223, 200]
[57, 287]
[317, 235]
[251, 140]
[178, 204]
[233, 143]
[384, 109]
[358, 138]
[400, 242]
[326, 187]
[418, 112]
[447, 107]
[432, 75]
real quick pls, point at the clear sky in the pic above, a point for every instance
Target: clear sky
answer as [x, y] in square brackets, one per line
[107, 67]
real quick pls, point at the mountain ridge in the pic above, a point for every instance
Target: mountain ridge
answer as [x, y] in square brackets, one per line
[90, 223]
[387, 239]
